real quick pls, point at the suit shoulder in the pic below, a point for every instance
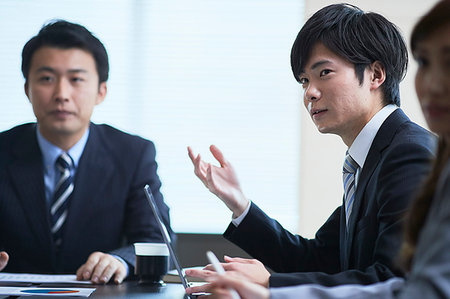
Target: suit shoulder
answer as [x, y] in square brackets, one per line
[17, 131]
[20, 135]
[120, 140]
[410, 132]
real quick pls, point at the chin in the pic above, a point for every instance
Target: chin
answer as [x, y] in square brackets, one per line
[323, 130]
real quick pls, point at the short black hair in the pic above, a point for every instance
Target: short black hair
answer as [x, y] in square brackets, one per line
[65, 35]
[359, 37]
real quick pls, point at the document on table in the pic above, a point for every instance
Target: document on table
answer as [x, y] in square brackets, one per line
[77, 292]
[40, 278]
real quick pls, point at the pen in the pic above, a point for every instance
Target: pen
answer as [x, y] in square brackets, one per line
[219, 269]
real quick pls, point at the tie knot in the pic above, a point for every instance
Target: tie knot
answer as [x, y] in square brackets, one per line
[350, 165]
[64, 162]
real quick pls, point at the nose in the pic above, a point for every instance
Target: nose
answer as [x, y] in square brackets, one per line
[433, 80]
[62, 90]
[312, 93]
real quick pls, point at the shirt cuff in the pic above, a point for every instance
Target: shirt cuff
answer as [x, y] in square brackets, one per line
[236, 221]
[123, 262]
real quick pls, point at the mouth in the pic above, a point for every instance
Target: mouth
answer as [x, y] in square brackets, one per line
[436, 110]
[317, 112]
[61, 113]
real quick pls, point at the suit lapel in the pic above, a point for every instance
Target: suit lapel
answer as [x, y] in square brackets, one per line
[343, 239]
[382, 140]
[27, 176]
[95, 163]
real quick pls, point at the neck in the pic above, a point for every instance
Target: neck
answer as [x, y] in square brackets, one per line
[352, 132]
[64, 141]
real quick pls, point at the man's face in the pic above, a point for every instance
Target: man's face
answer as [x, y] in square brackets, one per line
[63, 88]
[334, 97]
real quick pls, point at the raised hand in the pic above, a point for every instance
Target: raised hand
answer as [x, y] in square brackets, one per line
[221, 181]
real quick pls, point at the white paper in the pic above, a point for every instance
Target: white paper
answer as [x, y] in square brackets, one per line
[40, 278]
[77, 292]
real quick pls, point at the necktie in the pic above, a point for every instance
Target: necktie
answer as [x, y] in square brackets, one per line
[348, 173]
[63, 190]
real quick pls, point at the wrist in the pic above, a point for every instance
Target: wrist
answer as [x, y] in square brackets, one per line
[241, 207]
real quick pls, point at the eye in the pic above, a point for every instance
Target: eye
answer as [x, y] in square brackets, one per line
[422, 62]
[45, 79]
[421, 58]
[77, 79]
[303, 80]
[324, 72]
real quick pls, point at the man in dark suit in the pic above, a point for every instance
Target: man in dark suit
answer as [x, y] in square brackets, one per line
[350, 64]
[71, 192]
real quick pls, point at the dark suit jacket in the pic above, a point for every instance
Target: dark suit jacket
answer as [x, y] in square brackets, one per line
[107, 211]
[397, 162]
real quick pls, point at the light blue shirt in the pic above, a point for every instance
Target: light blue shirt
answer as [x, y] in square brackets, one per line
[50, 153]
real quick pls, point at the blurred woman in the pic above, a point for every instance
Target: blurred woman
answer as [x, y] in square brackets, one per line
[425, 252]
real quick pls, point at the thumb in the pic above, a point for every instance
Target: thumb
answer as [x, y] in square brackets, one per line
[218, 155]
[3, 259]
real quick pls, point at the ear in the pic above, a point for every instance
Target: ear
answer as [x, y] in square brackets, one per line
[27, 92]
[377, 76]
[101, 93]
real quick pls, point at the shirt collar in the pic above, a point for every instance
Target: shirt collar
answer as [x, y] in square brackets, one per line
[361, 146]
[51, 152]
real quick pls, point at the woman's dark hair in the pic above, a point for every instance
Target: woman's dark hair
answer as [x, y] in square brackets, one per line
[360, 38]
[417, 214]
[439, 15]
[65, 35]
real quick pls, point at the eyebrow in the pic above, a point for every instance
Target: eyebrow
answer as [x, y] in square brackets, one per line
[52, 70]
[316, 65]
[319, 63]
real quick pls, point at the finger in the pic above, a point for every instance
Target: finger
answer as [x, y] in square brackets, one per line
[209, 179]
[238, 260]
[199, 167]
[218, 155]
[98, 270]
[233, 267]
[87, 269]
[210, 267]
[204, 288]
[4, 257]
[80, 273]
[220, 293]
[228, 281]
[120, 274]
[108, 272]
[191, 154]
[199, 273]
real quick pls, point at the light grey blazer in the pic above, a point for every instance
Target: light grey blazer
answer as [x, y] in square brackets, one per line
[430, 274]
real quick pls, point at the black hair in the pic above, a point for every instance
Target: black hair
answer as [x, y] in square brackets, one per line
[65, 35]
[360, 38]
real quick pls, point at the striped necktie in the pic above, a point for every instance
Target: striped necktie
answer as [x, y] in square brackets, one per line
[348, 173]
[63, 190]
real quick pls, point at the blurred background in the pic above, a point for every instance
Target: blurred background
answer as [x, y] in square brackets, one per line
[201, 72]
